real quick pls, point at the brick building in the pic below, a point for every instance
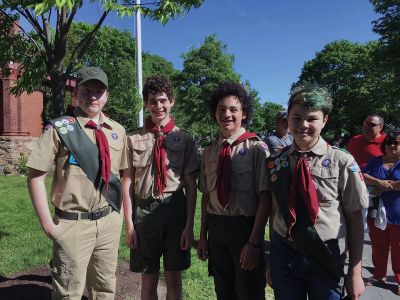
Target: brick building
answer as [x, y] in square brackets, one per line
[21, 121]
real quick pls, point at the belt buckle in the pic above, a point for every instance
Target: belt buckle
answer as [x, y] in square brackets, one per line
[95, 215]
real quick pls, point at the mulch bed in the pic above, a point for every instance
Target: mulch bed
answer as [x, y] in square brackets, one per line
[35, 284]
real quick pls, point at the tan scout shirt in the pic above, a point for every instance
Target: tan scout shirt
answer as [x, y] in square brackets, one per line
[339, 185]
[181, 159]
[72, 190]
[248, 175]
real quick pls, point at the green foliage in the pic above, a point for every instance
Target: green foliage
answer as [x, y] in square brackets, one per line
[114, 52]
[388, 27]
[270, 110]
[43, 54]
[353, 74]
[203, 69]
[257, 124]
[22, 168]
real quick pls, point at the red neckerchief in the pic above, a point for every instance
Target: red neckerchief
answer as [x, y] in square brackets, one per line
[224, 169]
[159, 151]
[302, 186]
[102, 144]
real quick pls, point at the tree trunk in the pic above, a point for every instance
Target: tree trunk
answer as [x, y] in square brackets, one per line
[58, 93]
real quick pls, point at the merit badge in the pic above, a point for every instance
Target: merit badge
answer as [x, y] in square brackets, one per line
[277, 161]
[63, 130]
[58, 124]
[114, 136]
[273, 178]
[284, 157]
[285, 164]
[70, 127]
[278, 167]
[326, 162]
[176, 138]
[71, 120]
[271, 164]
[272, 171]
[242, 151]
[65, 121]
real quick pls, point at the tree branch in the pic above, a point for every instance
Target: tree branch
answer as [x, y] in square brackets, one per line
[76, 55]
[40, 49]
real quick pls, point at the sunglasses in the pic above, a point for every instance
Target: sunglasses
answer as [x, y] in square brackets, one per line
[370, 124]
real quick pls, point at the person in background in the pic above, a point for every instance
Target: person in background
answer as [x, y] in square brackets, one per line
[281, 138]
[383, 173]
[234, 208]
[89, 151]
[363, 147]
[368, 144]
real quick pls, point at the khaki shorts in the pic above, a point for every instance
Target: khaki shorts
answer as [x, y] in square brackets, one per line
[159, 227]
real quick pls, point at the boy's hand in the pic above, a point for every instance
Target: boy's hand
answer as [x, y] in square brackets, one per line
[202, 249]
[186, 238]
[131, 236]
[249, 257]
[355, 286]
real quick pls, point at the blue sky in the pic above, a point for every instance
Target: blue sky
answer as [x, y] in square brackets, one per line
[270, 40]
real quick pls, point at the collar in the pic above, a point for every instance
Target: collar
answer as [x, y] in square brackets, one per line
[82, 120]
[232, 138]
[320, 148]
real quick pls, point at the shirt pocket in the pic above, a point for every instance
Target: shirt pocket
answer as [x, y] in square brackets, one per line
[241, 177]
[326, 181]
[141, 155]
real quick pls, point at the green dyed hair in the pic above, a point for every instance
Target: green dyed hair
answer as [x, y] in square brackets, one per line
[312, 96]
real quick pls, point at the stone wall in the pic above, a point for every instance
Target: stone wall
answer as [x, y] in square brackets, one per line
[12, 151]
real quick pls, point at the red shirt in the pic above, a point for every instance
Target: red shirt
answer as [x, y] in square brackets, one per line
[364, 150]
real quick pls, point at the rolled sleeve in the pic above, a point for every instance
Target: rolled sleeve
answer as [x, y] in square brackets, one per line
[44, 151]
[354, 192]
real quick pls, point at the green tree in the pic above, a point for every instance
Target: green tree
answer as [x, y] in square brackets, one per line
[114, 51]
[257, 123]
[48, 48]
[203, 69]
[388, 27]
[353, 74]
[270, 110]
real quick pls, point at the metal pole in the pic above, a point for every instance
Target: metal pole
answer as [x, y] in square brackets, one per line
[139, 59]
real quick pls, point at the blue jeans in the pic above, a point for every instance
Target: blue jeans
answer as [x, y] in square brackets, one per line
[294, 277]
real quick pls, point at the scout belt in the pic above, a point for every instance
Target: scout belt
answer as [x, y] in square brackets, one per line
[93, 215]
[86, 154]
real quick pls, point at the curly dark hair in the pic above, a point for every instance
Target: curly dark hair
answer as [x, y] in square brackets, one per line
[229, 88]
[157, 84]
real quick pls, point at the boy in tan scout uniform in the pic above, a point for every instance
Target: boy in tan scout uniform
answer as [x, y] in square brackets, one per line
[158, 214]
[86, 229]
[234, 203]
[319, 193]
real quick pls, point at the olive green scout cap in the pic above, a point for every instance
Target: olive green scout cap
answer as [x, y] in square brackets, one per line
[91, 73]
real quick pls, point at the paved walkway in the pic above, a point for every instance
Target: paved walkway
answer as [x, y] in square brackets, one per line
[385, 291]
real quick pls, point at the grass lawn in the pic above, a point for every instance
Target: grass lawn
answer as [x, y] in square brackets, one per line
[23, 245]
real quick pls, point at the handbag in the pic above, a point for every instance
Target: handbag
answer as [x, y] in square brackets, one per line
[380, 219]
